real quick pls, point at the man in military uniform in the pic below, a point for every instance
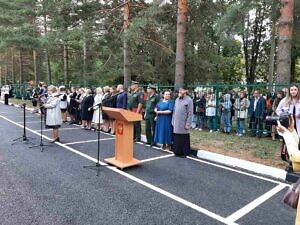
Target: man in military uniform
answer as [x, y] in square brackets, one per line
[135, 104]
[150, 115]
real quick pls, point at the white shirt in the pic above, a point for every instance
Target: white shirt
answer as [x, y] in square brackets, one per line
[255, 103]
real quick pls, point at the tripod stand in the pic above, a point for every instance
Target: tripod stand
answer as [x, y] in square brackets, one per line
[41, 145]
[23, 138]
[97, 165]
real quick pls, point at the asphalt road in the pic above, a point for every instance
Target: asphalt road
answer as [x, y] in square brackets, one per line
[52, 187]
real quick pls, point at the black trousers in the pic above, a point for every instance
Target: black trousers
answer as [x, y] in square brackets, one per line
[137, 130]
[181, 144]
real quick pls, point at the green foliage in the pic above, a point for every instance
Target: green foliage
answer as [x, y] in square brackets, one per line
[92, 31]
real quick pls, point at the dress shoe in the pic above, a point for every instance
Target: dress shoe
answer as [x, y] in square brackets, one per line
[55, 140]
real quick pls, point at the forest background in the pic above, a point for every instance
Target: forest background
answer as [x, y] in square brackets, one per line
[90, 43]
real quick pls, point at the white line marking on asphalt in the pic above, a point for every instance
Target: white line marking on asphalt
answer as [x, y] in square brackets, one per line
[174, 197]
[13, 116]
[254, 204]
[238, 171]
[66, 128]
[82, 142]
[156, 158]
[144, 183]
[37, 121]
[102, 132]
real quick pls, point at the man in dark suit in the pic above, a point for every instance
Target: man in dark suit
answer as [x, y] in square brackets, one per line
[256, 113]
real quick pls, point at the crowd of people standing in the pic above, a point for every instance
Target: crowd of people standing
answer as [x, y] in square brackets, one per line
[169, 117]
[167, 122]
[235, 109]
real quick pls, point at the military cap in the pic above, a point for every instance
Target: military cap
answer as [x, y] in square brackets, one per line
[181, 86]
[134, 82]
[151, 86]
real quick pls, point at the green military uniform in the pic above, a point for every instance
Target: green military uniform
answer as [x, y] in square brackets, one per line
[150, 116]
[134, 100]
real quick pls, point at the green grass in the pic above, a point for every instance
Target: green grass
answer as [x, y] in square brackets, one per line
[19, 101]
[261, 150]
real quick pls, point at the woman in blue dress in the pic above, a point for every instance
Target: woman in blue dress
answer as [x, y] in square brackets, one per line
[164, 129]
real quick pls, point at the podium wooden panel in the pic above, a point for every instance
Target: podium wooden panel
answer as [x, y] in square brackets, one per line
[124, 137]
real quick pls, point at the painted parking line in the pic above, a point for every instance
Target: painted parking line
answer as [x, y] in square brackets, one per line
[140, 181]
[102, 132]
[156, 158]
[88, 141]
[17, 116]
[37, 121]
[238, 171]
[254, 204]
[66, 128]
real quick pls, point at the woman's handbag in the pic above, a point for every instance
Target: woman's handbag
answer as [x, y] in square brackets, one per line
[291, 197]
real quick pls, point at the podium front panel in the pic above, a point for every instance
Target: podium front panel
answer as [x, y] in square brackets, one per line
[124, 141]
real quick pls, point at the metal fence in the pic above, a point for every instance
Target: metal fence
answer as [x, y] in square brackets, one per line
[24, 91]
[219, 89]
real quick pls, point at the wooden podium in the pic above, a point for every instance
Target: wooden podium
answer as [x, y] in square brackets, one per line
[124, 137]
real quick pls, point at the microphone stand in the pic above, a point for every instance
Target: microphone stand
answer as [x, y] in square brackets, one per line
[23, 138]
[97, 165]
[41, 145]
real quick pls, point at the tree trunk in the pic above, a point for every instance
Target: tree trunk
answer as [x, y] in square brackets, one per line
[245, 48]
[66, 66]
[13, 76]
[273, 47]
[257, 33]
[21, 68]
[35, 68]
[6, 72]
[293, 67]
[127, 74]
[84, 62]
[1, 83]
[48, 65]
[180, 43]
[285, 31]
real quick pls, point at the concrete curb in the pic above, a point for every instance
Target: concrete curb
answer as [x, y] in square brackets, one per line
[226, 160]
[243, 164]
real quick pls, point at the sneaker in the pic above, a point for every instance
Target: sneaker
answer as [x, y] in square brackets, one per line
[210, 131]
[200, 129]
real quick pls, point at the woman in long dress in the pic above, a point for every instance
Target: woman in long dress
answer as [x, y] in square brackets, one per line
[97, 116]
[163, 130]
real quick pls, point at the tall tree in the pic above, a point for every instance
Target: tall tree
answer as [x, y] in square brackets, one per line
[285, 32]
[273, 43]
[180, 42]
[127, 75]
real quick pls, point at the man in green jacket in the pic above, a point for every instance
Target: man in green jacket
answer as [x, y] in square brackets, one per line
[135, 104]
[150, 115]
